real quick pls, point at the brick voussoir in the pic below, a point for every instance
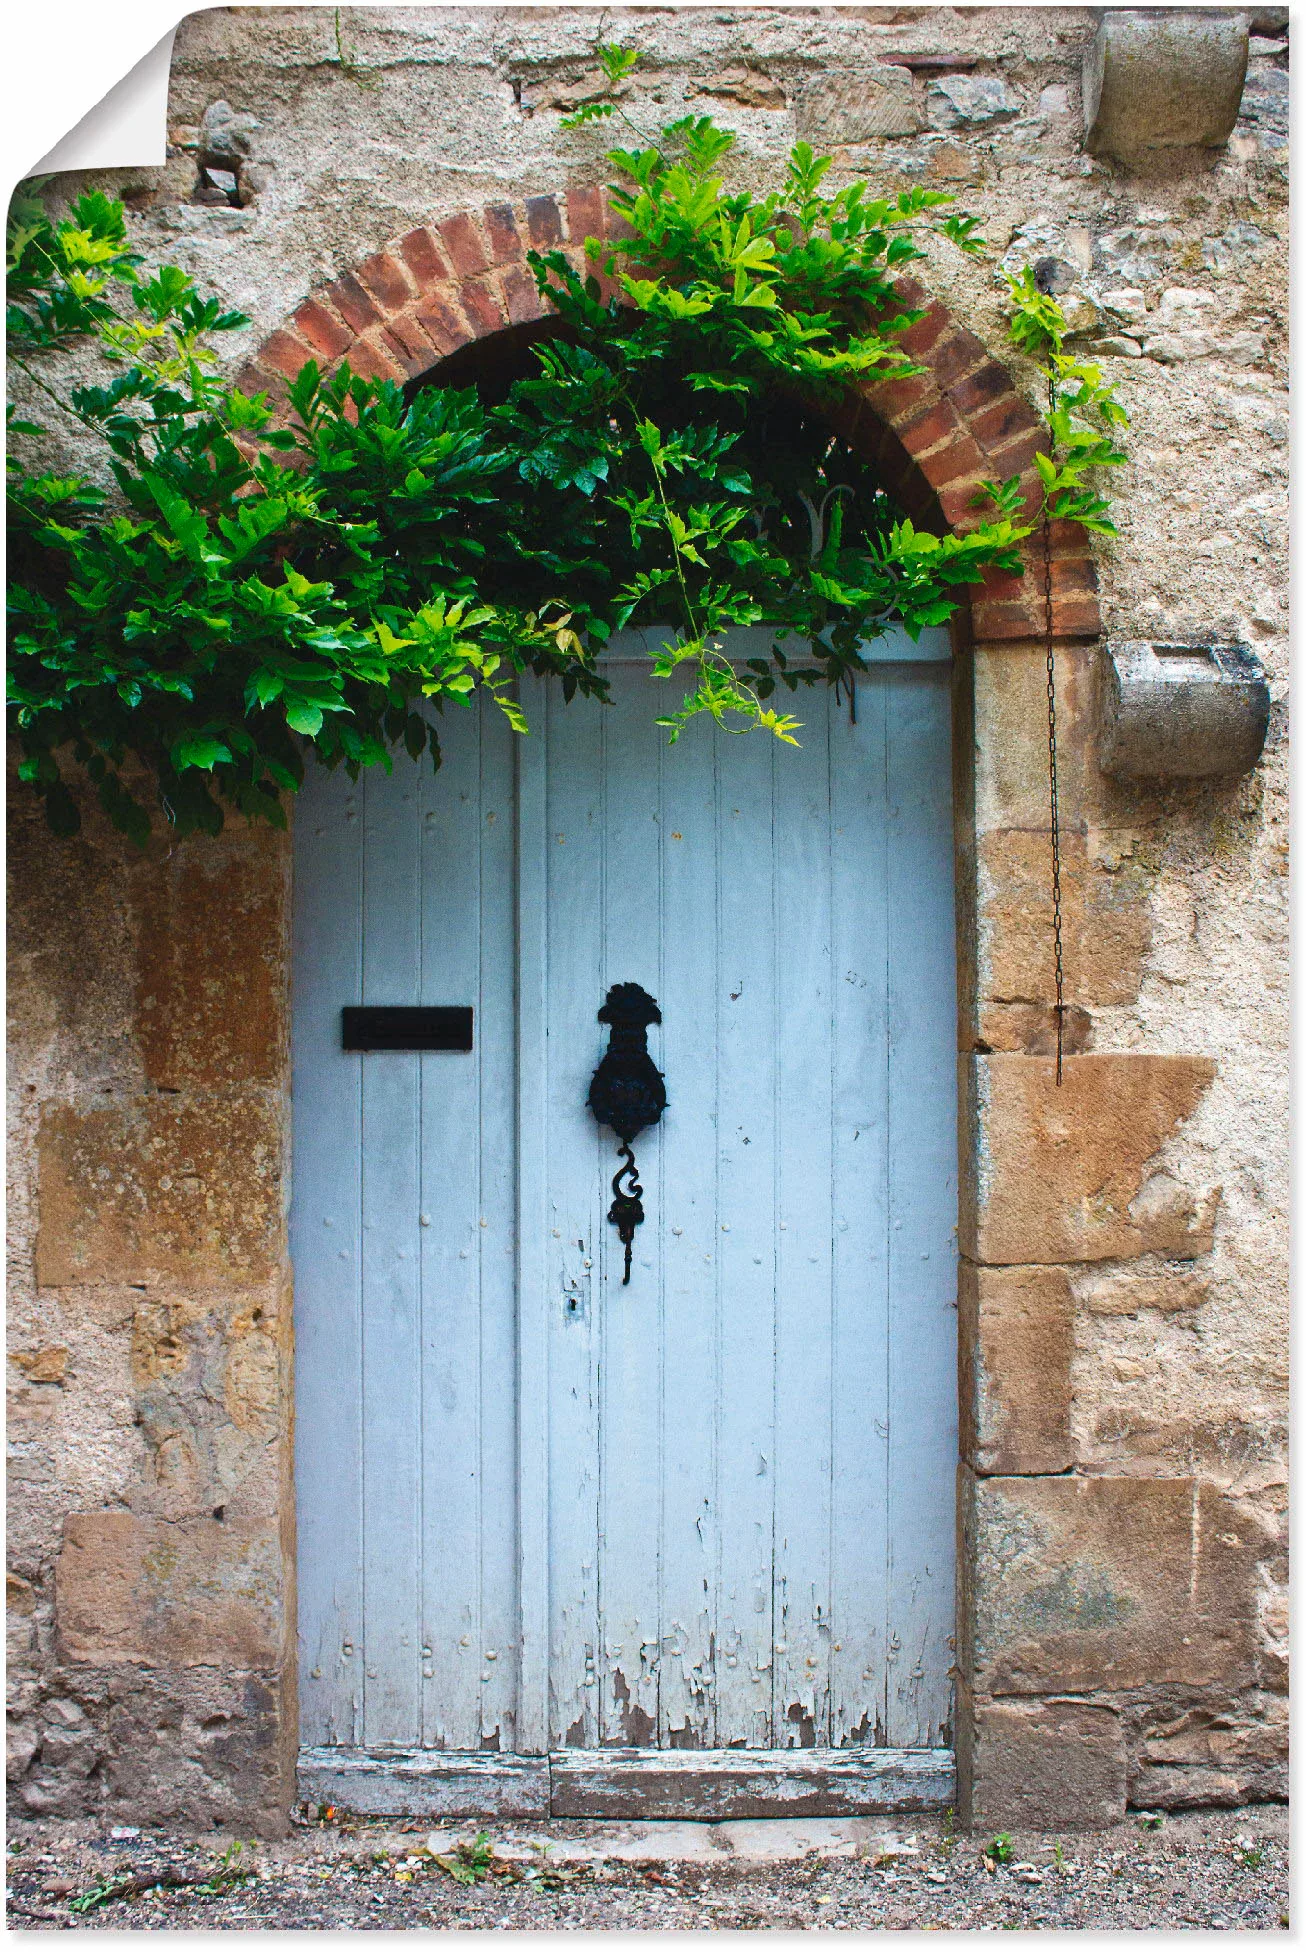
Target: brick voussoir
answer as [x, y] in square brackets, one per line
[996, 621]
[385, 279]
[920, 338]
[958, 505]
[935, 422]
[284, 352]
[615, 227]
[956, 356]
[329, 336]
[981, 388]
[954, 459]
[544, 222]
[353, 303]
[443, 320]
[499, 222]
[522, 296]
[405, 333]
[424, 258]
[1069, 539]
[1076, 616]
[899, 401]
[1001, 421]
[253, 378]
[463, 245]
[410, 362]
[1001, 586]
[935, 435]
[1073, 575]
[1013, 457]
[911, 293]
[483, 303]
[586, 212]
[374, 360]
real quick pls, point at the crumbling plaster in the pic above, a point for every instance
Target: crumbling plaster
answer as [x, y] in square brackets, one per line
[150, 1343]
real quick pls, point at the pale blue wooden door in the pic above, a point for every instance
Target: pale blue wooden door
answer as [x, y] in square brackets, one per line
[714, 1508]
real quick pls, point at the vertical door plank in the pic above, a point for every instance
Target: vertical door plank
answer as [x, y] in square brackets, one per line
[691, 1236]
[326, 1247]
[453, 1239]
[496, 1074]
[860, 1398]
[804, 1248]
[576, 1163]
[923, 1207]
[536, 1269]
[391, 1184]
[630, 1458]
[684, 1219]
[746, 1061]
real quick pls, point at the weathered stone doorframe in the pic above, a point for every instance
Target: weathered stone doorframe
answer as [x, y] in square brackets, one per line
[1062, 1621]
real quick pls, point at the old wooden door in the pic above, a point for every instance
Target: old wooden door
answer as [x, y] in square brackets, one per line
[686, 1544]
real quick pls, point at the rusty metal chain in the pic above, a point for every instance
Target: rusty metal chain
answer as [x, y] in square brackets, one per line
[1053, 797]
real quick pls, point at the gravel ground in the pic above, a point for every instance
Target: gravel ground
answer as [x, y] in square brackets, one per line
[1222, 1870]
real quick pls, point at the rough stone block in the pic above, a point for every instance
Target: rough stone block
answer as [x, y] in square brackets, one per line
[846, 108]
[213, 957]
[1010, 736]
[44, 1365]
[206, 1593]
[1059, 1173]
[1124, 1433]
[969, 101]
[210, 1387]
[1017, 1349]
[1047, 1765]
[1106, 925]
[159, 1190]
[1170, 1291]
[196, 1745]
[1081, 1585]
[750, 87]
[1265, 106]
[1163, 79]
[1191, 1755]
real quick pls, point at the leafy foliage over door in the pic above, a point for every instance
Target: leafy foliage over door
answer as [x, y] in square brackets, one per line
[218, 595]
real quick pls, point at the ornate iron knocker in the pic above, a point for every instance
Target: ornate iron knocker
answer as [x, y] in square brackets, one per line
[627, 1092]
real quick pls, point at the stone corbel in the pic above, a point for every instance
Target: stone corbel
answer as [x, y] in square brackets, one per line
[1163, 79]
[1182, 711]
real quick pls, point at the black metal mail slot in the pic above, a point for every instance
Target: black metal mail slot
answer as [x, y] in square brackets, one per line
[434, 1027]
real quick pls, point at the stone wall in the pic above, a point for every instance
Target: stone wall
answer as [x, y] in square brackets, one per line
[151, 1612]
[1123, 1289]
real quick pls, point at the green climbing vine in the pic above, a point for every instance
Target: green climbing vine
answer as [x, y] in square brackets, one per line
[208, 597]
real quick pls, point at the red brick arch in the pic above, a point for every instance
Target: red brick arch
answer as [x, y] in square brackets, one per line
[932, 437]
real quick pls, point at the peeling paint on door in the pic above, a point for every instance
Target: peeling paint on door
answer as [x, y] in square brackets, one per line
[750, 1450]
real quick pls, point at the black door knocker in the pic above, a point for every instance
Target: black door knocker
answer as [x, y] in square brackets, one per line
[627, 1092]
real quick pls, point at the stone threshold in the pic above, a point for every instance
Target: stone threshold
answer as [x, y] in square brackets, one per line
[711, 1786]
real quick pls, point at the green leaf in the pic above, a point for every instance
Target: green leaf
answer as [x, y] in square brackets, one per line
[304, 717]
[199, 750]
